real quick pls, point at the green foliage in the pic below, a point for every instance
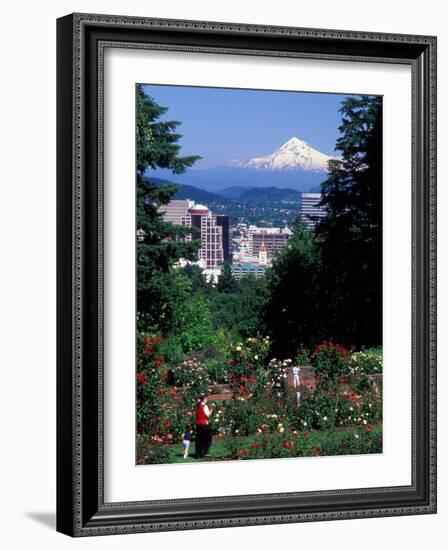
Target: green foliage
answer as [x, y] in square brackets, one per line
[151, 382]
[150, 451]
[303, 356]
[301, 417]
[277, 377]
[261, 406]
[164, 294]
[194, 380]
[160, 244]
[358, 441]
[292, 314]
[247, 365]
[243, 416]
[226, 282]
[345, 394]
[330, 283]
[297, 444]
[330, 360]
[218, 371]
[240, 311]
[369, 361]
[197, 279]
[349, 237]
[252, 296]
[193, 324]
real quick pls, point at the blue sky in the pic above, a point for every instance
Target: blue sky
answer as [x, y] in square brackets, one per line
[220, 124]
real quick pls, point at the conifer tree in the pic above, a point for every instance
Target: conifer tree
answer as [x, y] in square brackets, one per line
[350, 236]
[159, 243]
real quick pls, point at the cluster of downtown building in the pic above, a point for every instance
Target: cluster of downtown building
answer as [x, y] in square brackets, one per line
[248, 249]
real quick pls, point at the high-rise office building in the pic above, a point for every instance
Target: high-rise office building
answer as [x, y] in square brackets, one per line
[211, 253]
[224, 222]
[310, 211]
[176, 211]
[208, 230]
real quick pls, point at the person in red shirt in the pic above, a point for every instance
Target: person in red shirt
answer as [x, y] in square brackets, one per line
[203, 432]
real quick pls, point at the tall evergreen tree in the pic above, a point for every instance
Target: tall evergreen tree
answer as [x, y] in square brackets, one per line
[292, 315]
[350, 237]
[159, 243]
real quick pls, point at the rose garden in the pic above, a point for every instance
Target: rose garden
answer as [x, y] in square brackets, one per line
[258, 413]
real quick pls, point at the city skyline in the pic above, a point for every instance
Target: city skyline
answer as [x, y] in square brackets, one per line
[247, 248]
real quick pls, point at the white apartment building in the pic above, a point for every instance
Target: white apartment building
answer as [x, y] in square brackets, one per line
[310, 212]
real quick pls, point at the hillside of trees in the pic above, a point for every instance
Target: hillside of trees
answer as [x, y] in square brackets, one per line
[324, 285]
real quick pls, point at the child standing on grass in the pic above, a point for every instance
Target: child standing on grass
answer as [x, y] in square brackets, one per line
[186, 440]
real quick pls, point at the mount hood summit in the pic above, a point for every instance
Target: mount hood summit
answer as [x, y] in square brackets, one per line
[292, 155]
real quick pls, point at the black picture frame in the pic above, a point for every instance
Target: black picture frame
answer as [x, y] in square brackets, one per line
[81, 510]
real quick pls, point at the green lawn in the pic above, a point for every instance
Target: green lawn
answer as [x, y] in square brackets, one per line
[218, 450]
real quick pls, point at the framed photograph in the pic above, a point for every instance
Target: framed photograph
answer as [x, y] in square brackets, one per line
[246, 274]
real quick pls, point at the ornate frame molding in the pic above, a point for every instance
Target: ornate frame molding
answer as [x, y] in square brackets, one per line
[81, 42]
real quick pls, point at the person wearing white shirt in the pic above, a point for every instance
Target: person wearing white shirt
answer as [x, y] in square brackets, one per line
[296, 379]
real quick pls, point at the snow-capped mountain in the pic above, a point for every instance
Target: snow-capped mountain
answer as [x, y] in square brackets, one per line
[295, 165]
[294, 154]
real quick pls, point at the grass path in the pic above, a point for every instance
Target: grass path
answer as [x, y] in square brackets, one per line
[218, 450]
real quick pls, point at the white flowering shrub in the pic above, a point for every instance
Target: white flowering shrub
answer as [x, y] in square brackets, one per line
[368, 361]
[193, 377]
[277, 376]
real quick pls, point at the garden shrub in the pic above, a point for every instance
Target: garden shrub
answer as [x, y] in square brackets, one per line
[301, 415]
[152, 374]
[330, 361]
[263, 418]
[193, 377]
[300, 444]
[247, 361]
[150, 451]
[369, 361]
[277, 377]
[242, 416]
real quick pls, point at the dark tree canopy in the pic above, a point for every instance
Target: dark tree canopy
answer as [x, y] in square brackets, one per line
[159, 243]
[292, 314]
[350, 236]
[226, 282]
[329, 285]
[238, 306]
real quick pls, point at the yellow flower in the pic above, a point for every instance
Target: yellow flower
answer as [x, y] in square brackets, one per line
[238, 348]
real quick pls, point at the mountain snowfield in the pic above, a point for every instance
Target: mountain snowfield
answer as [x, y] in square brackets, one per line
[295, 165]
[294, 154]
